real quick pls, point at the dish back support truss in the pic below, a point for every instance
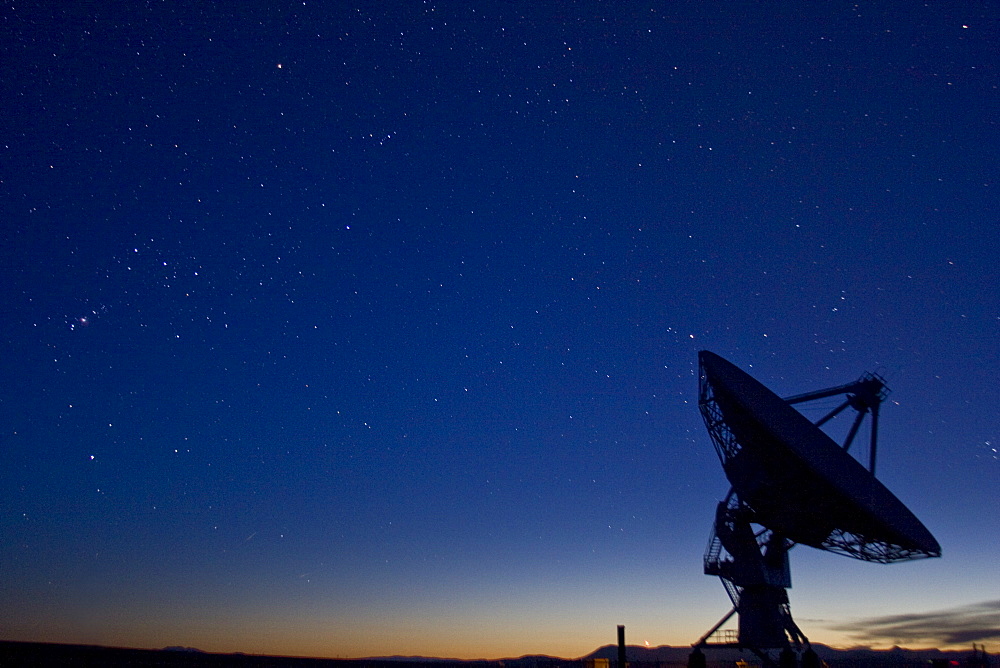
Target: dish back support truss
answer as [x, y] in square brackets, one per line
[866, 541]
[752, 560]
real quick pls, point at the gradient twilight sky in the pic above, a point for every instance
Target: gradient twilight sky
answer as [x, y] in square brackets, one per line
[352, 329]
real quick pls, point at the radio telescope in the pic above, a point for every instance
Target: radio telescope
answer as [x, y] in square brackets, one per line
[791, 484]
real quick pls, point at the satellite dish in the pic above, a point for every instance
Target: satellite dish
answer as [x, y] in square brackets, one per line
[791, 483]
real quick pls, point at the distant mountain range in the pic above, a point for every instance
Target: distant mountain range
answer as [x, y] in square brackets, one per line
[38, 655]
[663, 656]
[860, 656]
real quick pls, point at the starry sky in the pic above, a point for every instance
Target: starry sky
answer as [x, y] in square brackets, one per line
[357, 329]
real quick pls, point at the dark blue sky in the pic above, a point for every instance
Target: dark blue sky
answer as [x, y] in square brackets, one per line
[359, 329]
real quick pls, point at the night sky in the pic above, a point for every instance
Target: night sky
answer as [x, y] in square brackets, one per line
[363, 329]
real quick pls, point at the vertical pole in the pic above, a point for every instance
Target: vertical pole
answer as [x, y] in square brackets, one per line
[621, 646]
[874, 442]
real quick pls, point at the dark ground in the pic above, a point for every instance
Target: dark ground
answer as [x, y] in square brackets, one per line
[44, 655]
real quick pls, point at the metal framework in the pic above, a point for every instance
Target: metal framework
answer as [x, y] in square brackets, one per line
[752, 563]
[863, 395]
[752, 560]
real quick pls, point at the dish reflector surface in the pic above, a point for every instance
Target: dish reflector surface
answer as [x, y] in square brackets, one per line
[797, 480]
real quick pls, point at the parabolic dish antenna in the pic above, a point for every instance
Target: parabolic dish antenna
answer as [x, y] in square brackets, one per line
[791, 483]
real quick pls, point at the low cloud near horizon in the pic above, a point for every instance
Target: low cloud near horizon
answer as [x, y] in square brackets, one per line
[967, 624]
